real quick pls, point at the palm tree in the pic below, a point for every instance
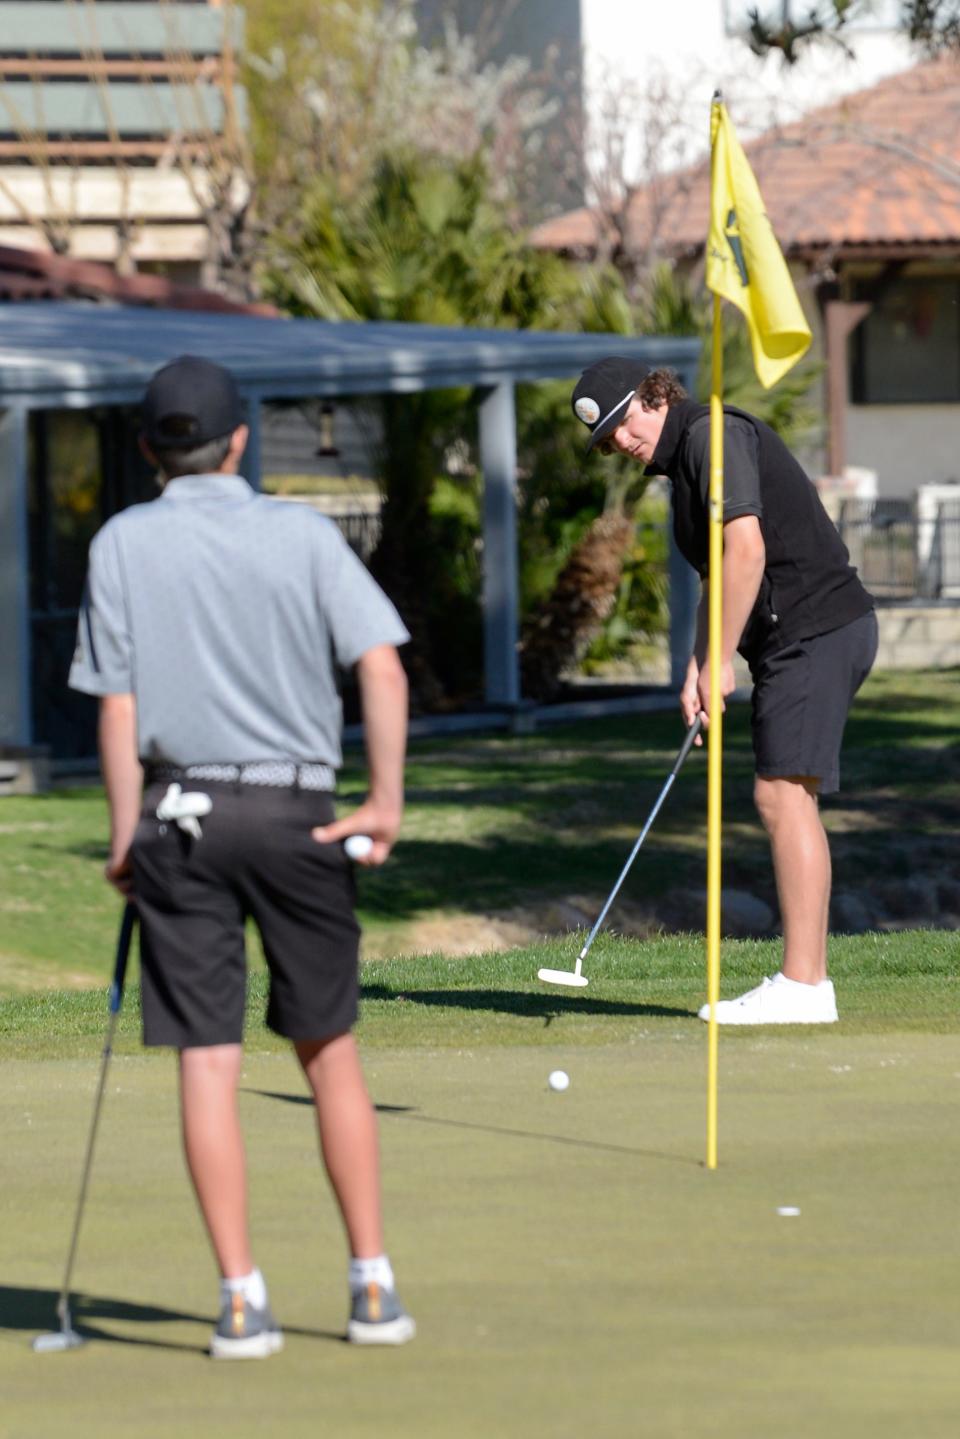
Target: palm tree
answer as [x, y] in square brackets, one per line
[425, 245]
[570, 614]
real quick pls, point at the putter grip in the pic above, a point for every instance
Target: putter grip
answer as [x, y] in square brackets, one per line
[687, 745]
[123, 954]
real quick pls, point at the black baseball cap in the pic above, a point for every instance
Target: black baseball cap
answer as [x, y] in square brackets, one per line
[189, 402]
[603, 392]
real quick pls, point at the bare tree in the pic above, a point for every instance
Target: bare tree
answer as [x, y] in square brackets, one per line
[332, 112]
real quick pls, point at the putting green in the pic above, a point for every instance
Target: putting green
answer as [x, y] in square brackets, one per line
[573, 1268]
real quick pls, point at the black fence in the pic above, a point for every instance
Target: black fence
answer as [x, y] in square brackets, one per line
[900, 551]
[903, 551]
[361, 530]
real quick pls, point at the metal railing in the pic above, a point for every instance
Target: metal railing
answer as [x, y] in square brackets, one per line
[901, 554]
[361, 530]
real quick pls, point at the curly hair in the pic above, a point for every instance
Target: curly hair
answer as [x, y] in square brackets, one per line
[660, 387]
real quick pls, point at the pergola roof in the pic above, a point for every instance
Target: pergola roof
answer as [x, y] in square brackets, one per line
[60, 355]
[76, 354]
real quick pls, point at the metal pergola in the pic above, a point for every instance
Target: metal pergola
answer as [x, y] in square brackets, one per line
[74, 355]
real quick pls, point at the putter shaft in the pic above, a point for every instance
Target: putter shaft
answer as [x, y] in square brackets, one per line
[691, 735]
[68, 1336]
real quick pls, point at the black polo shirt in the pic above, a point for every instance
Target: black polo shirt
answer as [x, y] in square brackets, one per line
[809, 586]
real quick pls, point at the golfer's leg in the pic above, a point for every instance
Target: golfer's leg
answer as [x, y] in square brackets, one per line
[801, 862]
[348, 1137]
[214, 1149]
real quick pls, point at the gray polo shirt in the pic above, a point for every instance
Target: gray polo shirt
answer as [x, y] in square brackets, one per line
[225, 614]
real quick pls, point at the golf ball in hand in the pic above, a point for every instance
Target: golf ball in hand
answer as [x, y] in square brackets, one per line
[558, 1079]
[358, 846]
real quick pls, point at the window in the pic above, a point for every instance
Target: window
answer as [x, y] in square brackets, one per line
[84, 465]
[907, 350]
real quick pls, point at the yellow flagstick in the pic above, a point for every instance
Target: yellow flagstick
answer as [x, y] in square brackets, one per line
[744, 265]
[715, 731]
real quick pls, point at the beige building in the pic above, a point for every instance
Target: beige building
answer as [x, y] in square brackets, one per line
[122, 132]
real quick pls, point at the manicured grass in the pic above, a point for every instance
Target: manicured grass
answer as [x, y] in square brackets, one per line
[887, 983]
[573, 1267]
[517, 826]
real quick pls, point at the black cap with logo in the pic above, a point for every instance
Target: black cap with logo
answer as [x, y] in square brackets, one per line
[603, 392]
[189, 402]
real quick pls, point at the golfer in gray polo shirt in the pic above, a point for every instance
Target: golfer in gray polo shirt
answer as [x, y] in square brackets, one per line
[211, 628]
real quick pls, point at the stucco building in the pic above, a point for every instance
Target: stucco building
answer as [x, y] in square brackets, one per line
[122, 131]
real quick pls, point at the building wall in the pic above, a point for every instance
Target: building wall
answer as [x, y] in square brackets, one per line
[300, 440]
[109, 116]
[547, 34]
[907, 445]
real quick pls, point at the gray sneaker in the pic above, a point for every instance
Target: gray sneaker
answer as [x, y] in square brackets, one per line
[378, 1317]
[243, 1332]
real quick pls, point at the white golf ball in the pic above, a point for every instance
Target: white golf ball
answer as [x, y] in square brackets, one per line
[358, 846]
[558, 1079]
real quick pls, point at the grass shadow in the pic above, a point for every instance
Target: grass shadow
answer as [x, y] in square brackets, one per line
[34, 1311]
[525, 1003]
[410, 1112]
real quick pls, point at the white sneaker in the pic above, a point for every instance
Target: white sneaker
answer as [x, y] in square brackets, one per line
[779, 1001]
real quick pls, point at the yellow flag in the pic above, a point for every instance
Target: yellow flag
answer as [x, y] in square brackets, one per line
[744, 262]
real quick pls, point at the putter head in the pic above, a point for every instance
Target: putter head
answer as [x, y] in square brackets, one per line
[57, 1342]
[563, 976]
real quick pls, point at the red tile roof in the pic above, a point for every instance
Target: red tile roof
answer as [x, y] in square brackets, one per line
[42, 275]
[880, 168]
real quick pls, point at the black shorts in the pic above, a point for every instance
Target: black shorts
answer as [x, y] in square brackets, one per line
[255, 858]
[801, 698]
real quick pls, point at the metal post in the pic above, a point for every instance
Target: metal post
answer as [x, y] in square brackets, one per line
[15, 723]
[498, 460]
[251, 466]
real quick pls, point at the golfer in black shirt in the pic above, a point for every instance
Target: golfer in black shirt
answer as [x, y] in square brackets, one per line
[793, 607]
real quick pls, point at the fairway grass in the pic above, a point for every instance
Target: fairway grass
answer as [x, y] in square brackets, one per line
[507, 838]
[907, 981]
[575, 1271]
[573, 1268]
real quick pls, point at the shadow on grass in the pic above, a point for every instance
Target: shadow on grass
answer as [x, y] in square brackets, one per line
[521, 1002]
[409, 1112]
[34, 1311]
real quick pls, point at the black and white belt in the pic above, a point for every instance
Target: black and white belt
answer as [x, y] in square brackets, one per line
[272, 773]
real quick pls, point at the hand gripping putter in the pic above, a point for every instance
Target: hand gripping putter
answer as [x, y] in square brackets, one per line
[66, 1337]
[574, 977]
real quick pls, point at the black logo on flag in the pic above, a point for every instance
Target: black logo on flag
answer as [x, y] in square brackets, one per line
[732, 231]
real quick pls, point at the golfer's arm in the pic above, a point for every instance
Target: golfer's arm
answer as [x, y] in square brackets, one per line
[744, 556]
[383, 699]
[120, 765]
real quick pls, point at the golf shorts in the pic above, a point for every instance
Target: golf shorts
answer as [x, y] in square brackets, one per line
[255, 858]
[801, 698]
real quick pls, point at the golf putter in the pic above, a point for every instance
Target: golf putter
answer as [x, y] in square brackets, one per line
[66, 1337]
[575, 977]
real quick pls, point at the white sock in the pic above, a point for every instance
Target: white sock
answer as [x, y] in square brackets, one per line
[781, 978]
[370, 1271]
[251, 1286]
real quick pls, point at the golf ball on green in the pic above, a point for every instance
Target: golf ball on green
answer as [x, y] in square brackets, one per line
[558, 1079]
